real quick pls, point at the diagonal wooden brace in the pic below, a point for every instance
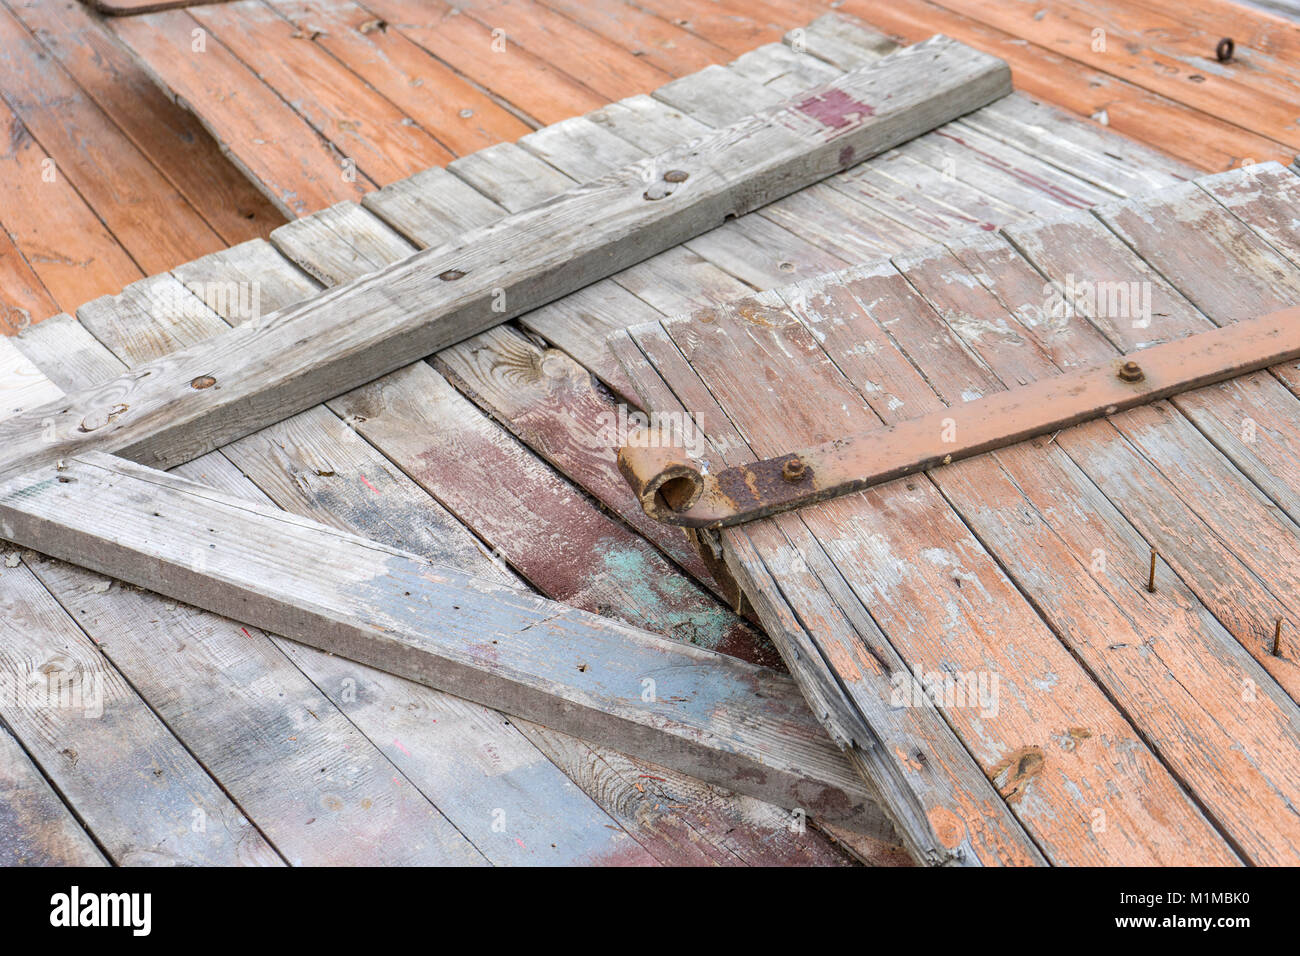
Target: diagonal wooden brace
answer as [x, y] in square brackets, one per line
[675, 489]
[731, 723]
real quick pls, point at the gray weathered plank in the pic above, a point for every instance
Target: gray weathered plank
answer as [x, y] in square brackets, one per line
[269, 369]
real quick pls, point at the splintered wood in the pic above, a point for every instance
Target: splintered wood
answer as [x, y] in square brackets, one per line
[980, 638]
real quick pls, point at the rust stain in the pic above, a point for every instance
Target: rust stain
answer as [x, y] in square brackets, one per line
[835, 109]
[1017, 770]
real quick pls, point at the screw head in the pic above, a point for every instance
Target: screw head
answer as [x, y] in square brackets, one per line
[1131, 372]
[676, 176]
[794, 470]
[203, 381]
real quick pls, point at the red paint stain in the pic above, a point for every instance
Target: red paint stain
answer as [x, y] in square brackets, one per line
[398, 744]
[369, 485]
[834, 108]
[246, 634]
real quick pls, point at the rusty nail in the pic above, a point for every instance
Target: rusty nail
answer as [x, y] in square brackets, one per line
[676, 176]
[793, 470]
[1151, 578]
[1223, 52]
[1131, 371]
[451, 275]
[203, 381]
[1277, 637]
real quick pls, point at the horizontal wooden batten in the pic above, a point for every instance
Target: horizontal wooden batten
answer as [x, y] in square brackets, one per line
[725, 721]
[187, 403]
[677, 490]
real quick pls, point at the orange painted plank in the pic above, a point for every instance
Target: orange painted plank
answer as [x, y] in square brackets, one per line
[362, 125]
[75, 257]
[146, 214]
[170, 136]
[531, 83]
[1123, 54]
[454, 111]
[599, 64]
[1199, 140]
[667, 46]
[289, 160]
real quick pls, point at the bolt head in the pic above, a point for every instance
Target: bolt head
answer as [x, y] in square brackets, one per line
[1131, 372]
[794, 470]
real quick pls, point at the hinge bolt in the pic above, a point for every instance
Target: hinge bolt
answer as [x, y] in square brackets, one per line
[1131, 372]
[793, 470]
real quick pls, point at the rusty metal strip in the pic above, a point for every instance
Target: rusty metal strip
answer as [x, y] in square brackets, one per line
[674, 489]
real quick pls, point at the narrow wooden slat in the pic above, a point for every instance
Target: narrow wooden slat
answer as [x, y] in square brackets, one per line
[23, 297]
[710, 716]
[56, 231]
[22, 385]
[358, 122]
[595, 62]
[1200, 140]
[260, 366]
[665, 45]
[536, 88]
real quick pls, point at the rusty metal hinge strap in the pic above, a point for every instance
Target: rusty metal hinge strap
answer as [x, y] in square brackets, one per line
[676, 490]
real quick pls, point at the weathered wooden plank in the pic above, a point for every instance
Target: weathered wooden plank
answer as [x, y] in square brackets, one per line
[432, 207]
[713, 95]
[143, 795]
[1084, 150]
[842, 41]
[288, 362]
[782, 69]
[36, 829]
[708, 715]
